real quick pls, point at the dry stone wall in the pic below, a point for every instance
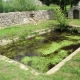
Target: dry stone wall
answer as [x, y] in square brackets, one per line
[13, 18]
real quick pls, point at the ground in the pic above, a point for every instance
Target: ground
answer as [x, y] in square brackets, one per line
[70, 71]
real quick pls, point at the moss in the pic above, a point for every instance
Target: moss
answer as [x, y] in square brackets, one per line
[42, 52]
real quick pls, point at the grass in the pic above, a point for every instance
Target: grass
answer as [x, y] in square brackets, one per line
[24, 30]
[44, 7]
[55, 52]
[10, 71]
[42, 51]
[75, 22]
[70, 71]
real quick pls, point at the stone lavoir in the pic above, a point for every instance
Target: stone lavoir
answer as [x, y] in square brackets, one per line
[42, 52]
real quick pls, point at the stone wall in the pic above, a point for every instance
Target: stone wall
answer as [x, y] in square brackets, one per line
[13, 18]
[74, 12]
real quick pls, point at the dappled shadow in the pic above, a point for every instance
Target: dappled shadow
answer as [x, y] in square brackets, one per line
[54, 36]
[72, 47]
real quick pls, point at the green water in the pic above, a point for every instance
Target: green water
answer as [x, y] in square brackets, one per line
[42, 52]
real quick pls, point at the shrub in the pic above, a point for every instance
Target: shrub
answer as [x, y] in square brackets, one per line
[18, 5]
[60, 17]
[1, 6]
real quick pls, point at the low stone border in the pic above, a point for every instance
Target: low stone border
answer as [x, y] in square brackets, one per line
[59, 65]
[35, 33]
[71, 25]
[22, 66]
[12, 61]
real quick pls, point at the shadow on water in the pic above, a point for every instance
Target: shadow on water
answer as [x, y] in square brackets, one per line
[71, 47]
[54, 36]
[20, 49]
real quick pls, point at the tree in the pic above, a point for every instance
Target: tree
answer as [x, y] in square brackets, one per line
[73, 2]
[1, 6]
[18, 5]
[61, 3]
[62, 20]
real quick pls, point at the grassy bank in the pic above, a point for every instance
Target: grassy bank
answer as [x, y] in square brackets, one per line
[75, 22]
[42, 52]
[10, 71]
[24, 30]
[70, 71]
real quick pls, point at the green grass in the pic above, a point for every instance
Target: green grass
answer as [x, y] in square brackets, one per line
[44, 7]
[52, 52]
[43, 51]
[10, 71]
[70, 71]
[24, 30]
[75, 22]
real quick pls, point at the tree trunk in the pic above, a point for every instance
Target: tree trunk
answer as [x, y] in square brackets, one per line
[71, 4]
[62, 5]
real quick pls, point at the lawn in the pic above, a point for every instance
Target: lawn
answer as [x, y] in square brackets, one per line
[24, 30]
[70, 71]
[75, 22]
[42, 52]
[9, 71]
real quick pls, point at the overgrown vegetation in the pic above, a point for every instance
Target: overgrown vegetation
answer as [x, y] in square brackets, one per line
[62, 3]
[60, 17]
[70, 71]
[19, 5]
[1, 6]
[10, 71]
[42, 52]
[22, 31]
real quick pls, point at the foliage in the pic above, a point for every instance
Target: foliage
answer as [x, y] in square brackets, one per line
[41, 55]
[13, 71]
[39, 63]
[61, 19]
[61, 3]
[22, 31]
[74, 29]
[1, 6]
[19, 5]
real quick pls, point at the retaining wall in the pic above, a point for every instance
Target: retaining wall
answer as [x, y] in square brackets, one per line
[13, 18]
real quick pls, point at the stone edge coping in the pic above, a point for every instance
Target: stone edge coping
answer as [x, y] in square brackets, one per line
[51, 71]
[39, 32]
[60, 64]
[22, 66]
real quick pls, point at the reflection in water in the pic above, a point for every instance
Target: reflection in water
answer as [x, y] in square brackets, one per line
[29, 48]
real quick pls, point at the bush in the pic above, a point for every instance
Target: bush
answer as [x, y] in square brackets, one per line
[1, 6]
[18, 5]
[60, 17]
